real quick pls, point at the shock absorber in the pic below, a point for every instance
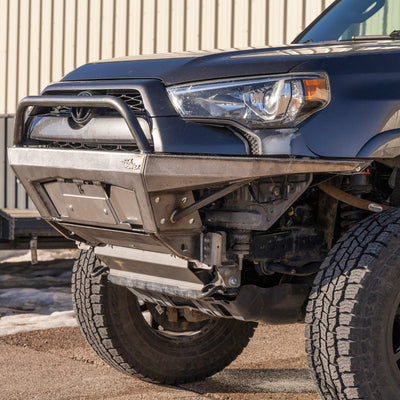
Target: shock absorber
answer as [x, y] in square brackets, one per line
[360, 186]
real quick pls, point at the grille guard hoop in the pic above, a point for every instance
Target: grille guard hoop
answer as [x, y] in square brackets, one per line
[80, 101]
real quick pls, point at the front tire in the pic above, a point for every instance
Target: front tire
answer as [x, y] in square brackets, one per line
[353, 314]
[113, 323]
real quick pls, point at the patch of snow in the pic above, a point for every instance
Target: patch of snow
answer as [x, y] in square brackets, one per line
[14, 256]
[12, 324]
[9, 254]
[35, 297]
[43, 301]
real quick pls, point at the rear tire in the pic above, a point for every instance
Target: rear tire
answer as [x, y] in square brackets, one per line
[353, 314]
[112, 322]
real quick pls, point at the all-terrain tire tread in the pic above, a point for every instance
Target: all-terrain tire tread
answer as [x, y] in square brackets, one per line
[337, 328]
[90, 296]
[88, 303]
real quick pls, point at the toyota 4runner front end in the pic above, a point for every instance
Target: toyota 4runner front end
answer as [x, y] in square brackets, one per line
[205, 192]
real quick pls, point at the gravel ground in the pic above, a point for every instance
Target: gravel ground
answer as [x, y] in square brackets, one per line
[58, 364]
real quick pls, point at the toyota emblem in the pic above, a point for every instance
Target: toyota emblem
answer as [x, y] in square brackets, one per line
[82, 115]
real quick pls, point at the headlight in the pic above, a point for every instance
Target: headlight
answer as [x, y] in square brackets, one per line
[267, 102]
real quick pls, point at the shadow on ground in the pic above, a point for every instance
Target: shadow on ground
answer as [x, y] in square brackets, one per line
[256, 381]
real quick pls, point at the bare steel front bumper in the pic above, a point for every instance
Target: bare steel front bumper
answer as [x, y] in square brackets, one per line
[127, 192]
[138, 209]
[143, 200]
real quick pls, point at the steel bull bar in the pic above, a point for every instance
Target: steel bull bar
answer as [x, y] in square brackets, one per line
[139, 201]
[81, 101]
[148, 176]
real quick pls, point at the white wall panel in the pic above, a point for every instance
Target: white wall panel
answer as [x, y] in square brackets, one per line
[192, 25]
[107, 32]
[148, 26]
[259, 27]
[42, 40]
[3, 54]
[82, 29]
[276, 22]
[162, 27]
[294, 19]
[312, 9]
[223, 34]
[94, 40]
[46, 42]
[58, 39]
[121, 27]
[34, 52]
[12, 55]
[178, 25]
[70, 36]
[23, 50]
[209, 23]
[241, 23]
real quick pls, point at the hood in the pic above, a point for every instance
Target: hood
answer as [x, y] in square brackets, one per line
[174, 69]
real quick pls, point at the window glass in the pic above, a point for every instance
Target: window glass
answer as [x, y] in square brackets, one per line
[349, 18]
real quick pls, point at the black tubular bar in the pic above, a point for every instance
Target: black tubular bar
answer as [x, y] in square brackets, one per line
[82, 101]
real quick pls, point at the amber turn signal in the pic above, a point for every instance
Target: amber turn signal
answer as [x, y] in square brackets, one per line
[315, 89]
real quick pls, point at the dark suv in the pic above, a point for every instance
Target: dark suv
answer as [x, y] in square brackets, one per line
[209, 193]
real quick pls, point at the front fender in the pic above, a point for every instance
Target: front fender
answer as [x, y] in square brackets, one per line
[383, 145]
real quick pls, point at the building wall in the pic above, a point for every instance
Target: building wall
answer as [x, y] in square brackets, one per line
[42, 40]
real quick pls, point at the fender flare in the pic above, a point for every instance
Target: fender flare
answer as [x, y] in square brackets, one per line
[383, 145]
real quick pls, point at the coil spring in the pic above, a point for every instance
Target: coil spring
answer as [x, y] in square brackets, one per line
[349, 216]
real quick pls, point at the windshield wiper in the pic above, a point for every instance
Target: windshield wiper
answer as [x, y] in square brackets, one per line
[395, 35]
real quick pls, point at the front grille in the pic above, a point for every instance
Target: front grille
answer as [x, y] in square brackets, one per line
[60, 110]
[253, 142]
[132, 98]
[90, 146]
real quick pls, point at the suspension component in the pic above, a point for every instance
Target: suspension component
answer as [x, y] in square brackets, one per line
[350, 199]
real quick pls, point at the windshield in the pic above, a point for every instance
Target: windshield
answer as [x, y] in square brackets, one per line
[349, 19]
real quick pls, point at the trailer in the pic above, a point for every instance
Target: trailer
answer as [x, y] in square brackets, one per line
[21, 226]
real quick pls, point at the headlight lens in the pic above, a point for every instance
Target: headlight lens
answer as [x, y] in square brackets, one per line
[255, 103]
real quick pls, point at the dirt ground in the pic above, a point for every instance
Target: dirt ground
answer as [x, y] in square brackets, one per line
[57, 364]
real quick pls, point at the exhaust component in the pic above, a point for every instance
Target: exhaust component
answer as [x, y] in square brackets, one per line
[306, 270]
[282, 304]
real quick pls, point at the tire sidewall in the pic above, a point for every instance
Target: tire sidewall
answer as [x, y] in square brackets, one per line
[351, 310]
[379, 310]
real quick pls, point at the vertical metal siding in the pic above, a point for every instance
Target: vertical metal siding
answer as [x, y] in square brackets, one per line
[12, 194]
[42, 40]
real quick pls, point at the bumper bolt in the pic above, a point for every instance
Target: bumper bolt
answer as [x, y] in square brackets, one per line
[233, 281]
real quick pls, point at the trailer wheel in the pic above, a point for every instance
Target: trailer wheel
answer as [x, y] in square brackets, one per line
[123, 333]
[353, 314]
